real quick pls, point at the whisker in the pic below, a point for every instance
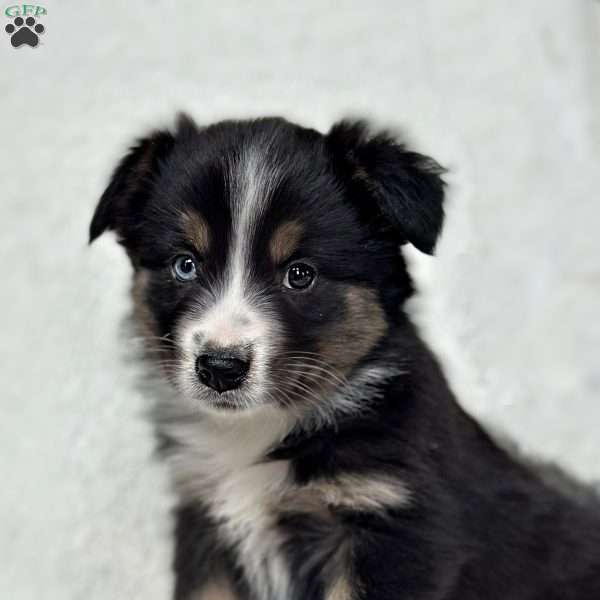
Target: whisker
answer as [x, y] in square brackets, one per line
[310, 393]
[159, 350]
[318, 379]
[283, 399]
[312, 373]
[146, 338]
[320, 409]
[320, 369]
[319, 362]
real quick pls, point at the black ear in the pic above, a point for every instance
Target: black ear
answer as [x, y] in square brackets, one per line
[131, 183]
[401, 189]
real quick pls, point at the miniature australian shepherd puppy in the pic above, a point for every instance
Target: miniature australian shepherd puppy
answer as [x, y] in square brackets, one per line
[315, 447]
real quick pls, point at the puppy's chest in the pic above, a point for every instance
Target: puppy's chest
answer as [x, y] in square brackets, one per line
[273, 525]
[245, 501]
[230, 476]
[245, 495]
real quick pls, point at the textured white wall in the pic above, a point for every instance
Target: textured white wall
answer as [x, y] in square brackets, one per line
[506, 94]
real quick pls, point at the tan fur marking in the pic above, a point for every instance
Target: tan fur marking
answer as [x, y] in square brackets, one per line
[340, 590]
[355, 492]
[146, 325]
[218, 590]
[144, 319]
[363, 325]
[285, 240]
[197, 231]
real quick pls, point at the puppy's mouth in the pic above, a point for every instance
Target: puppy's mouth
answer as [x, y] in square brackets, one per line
[226, 401]
[217, 379]
[228, 381]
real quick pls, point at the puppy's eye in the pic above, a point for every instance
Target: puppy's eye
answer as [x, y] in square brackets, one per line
[299, 276]
[184, 268]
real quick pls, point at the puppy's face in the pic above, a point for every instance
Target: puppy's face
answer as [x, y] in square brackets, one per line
[266, 262]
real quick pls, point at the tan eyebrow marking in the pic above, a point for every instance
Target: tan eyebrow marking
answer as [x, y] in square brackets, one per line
[285, 240]
[196, 230]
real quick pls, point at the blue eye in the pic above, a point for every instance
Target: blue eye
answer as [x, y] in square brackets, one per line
[184, 268]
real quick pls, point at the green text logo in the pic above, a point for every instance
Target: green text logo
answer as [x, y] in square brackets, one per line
[25, 10]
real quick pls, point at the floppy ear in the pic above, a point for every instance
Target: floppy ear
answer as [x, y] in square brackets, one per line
[130, 184]
[398, 188]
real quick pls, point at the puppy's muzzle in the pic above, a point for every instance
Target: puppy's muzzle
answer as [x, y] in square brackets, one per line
[222, 370]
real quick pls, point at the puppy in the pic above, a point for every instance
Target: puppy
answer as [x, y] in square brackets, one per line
[315, 446]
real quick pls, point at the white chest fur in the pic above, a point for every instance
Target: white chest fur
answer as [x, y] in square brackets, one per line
[219, 463]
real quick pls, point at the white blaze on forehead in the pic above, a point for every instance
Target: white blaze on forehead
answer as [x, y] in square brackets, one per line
[236, 316]
[236, 313]
[252, 184]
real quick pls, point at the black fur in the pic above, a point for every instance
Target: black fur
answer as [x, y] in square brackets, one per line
[200, 554]
[123, 201]
[395, 188]
[481, 523]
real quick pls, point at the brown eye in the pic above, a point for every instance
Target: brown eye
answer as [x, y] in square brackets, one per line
[299, 276]
[184, 268]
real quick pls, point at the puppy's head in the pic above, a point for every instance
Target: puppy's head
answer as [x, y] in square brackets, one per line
[266, 256]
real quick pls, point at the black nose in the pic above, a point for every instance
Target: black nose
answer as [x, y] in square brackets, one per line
[221, 371]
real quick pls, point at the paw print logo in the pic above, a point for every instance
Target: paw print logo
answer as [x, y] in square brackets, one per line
[24, 31]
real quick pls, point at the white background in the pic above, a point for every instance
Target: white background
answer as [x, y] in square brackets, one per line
[506, 94]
